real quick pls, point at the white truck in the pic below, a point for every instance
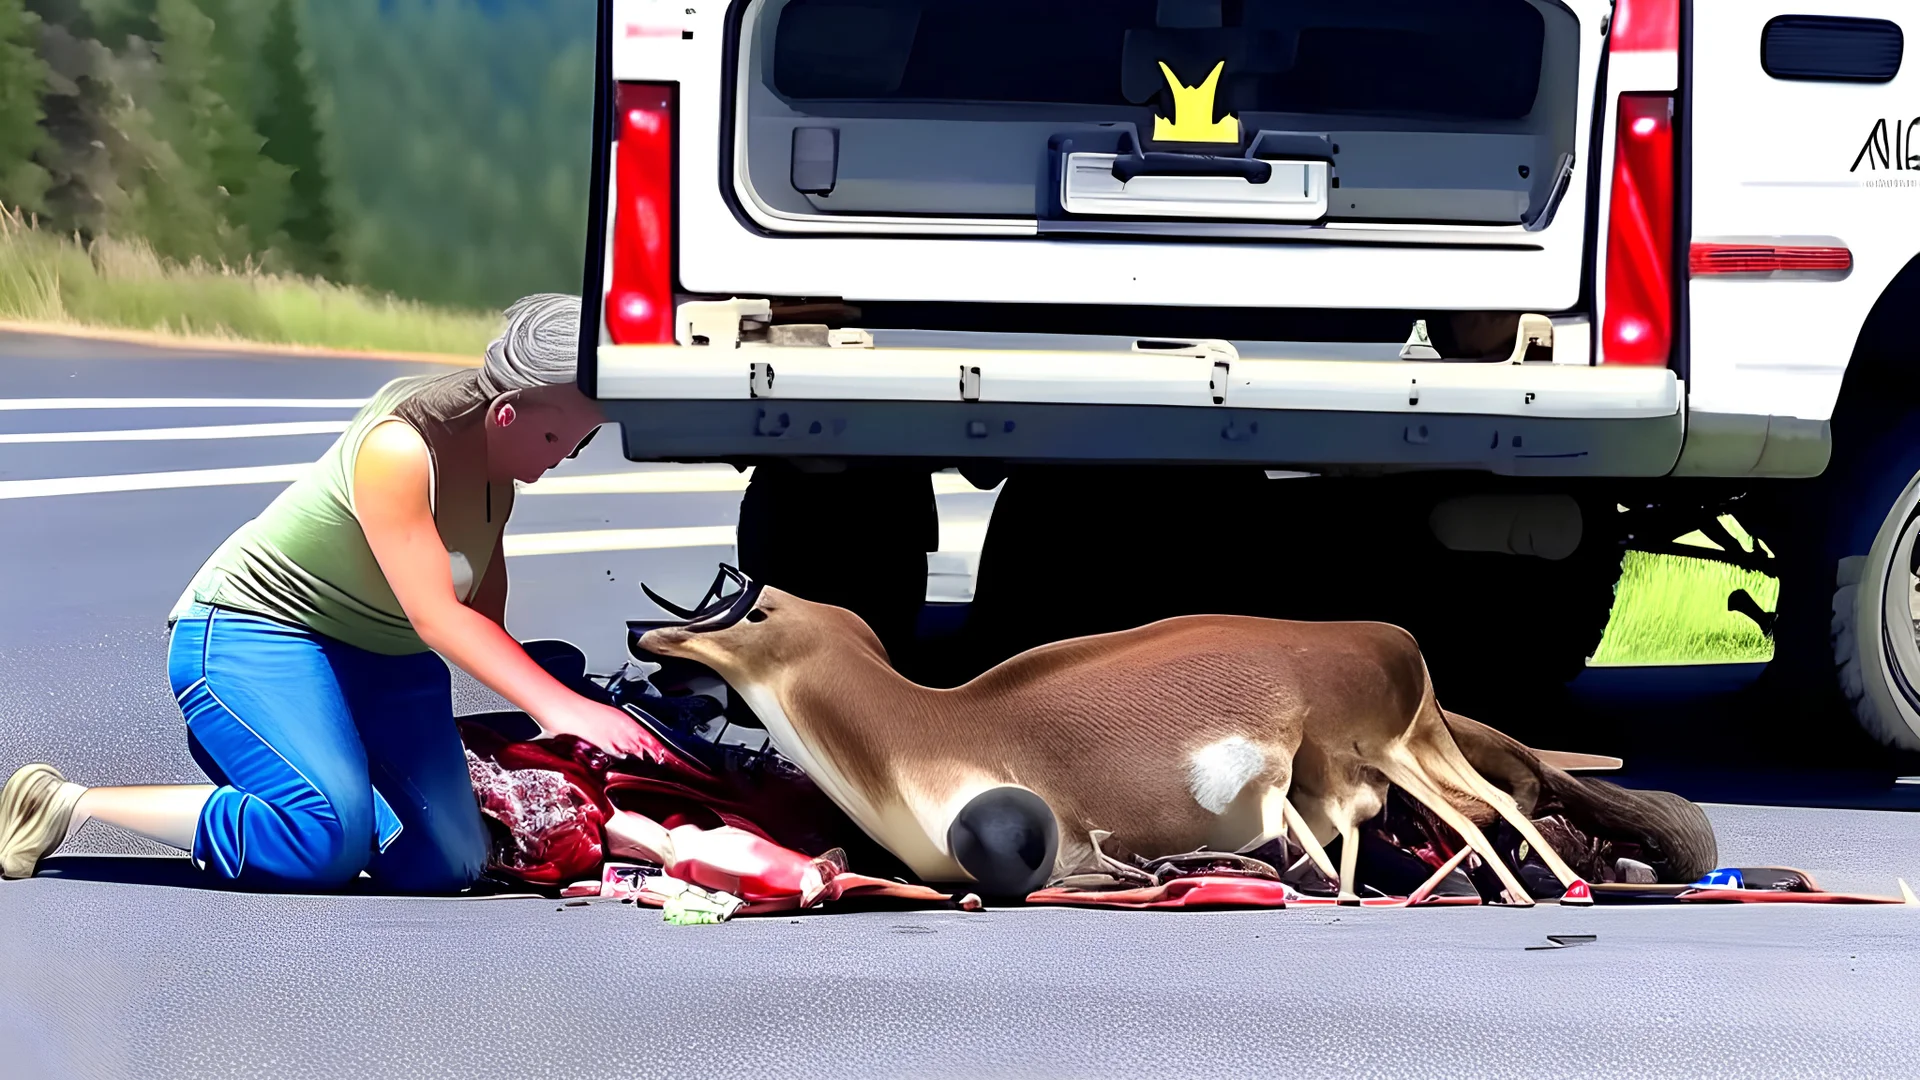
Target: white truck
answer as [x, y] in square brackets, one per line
[1421, 310]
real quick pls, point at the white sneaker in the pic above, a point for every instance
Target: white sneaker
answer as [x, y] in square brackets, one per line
[35, 808]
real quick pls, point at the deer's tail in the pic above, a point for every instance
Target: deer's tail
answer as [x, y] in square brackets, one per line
[1673, 834]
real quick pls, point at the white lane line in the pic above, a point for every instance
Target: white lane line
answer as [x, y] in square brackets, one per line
[654, 482]
[958, 538]
[688, 481]
[573, 543]
[79, 403]
[155, 481]
[180, 434]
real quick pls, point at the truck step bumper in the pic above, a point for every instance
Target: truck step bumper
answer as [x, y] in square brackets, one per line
[679, 403]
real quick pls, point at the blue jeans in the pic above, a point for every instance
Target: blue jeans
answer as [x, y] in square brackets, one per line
[328, 759]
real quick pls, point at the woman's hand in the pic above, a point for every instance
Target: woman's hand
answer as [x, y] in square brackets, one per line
[609, 729]
[392, 484]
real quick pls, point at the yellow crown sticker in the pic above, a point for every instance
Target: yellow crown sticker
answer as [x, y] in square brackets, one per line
[1193, 120]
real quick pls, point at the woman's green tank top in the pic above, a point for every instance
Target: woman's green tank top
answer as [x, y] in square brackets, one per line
[305, 561]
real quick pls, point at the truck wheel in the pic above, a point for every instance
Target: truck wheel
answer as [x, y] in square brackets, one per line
[1504, 628]
[856, 539]
[1086, 551]
[1851, 564]
[1078, 550]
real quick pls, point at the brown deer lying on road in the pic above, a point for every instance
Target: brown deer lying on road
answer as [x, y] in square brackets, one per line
[1217, 732]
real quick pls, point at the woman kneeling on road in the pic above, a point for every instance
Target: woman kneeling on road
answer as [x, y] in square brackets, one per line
[303, 653]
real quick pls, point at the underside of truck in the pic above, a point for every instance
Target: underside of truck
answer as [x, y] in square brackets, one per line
[1368, 309]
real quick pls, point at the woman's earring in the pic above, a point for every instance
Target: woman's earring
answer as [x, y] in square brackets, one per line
[504, 415]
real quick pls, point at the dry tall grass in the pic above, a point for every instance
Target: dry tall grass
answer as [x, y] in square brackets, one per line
[115, 284]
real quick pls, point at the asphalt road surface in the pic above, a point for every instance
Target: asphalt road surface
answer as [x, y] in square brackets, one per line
[113, 963]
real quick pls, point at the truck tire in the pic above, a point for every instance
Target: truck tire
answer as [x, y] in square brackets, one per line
[1072, 551]
[856, 539]
[1086, 551]
[1502, 629]
[1847, 542]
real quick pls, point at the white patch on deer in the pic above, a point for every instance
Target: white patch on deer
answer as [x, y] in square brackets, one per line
[1219, 771]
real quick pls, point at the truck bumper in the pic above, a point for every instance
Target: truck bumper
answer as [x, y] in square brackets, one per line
[702, 403]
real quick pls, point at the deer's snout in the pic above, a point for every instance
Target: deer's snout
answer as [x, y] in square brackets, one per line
[665, 640]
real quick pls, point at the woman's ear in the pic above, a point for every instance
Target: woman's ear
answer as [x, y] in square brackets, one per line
[502, 411]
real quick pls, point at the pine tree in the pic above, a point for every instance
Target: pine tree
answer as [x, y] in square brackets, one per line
[23, 181]
[290, 121]
[110, 22]
[213, 139]
[78, 153]
[162, 187]
[461, 138]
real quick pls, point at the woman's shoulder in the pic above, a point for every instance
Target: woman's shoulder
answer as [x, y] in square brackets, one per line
[389, 437]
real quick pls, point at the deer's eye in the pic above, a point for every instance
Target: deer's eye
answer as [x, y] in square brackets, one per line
[756, 615]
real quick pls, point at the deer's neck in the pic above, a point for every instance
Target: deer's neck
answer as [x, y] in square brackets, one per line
[855, 709]
[859, 730]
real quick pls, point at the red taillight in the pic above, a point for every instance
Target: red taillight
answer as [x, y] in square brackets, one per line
[640, 301]
[1638, 326]
[1706, 259]
[1645, 26]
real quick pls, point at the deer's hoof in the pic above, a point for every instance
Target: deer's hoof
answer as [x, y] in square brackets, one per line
[1006, 838]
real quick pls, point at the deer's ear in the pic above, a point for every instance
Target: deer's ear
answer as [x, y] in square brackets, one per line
[1568, 762]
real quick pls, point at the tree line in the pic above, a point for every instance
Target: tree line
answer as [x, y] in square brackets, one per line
[432, 148]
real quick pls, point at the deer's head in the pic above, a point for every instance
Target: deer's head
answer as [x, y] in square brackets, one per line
[754, 631]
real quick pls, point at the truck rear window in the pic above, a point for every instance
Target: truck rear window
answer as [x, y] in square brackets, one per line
[1464, 59]
[1450, 111]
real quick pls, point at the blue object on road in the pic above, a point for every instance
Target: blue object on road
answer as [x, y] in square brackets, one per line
[330, 759]
[1723, 878]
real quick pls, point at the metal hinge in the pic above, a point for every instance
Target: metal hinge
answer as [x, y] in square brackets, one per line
[721, 324]
[1222, 353]
[1533, 343]
[969, 383]
[1419, 345]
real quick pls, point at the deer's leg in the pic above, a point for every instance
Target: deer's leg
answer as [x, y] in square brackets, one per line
[1414, 782]
[1298, 826]
[1453, 767]
[1349, 859]
[1438, 876]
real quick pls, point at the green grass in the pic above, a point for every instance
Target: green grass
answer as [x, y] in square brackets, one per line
[1673, 610]
[122, 285]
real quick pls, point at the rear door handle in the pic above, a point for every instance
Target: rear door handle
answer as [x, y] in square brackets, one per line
[1252, 170]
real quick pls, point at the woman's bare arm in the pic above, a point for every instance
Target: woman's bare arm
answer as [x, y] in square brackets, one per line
[391, 481]
[491, 599]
